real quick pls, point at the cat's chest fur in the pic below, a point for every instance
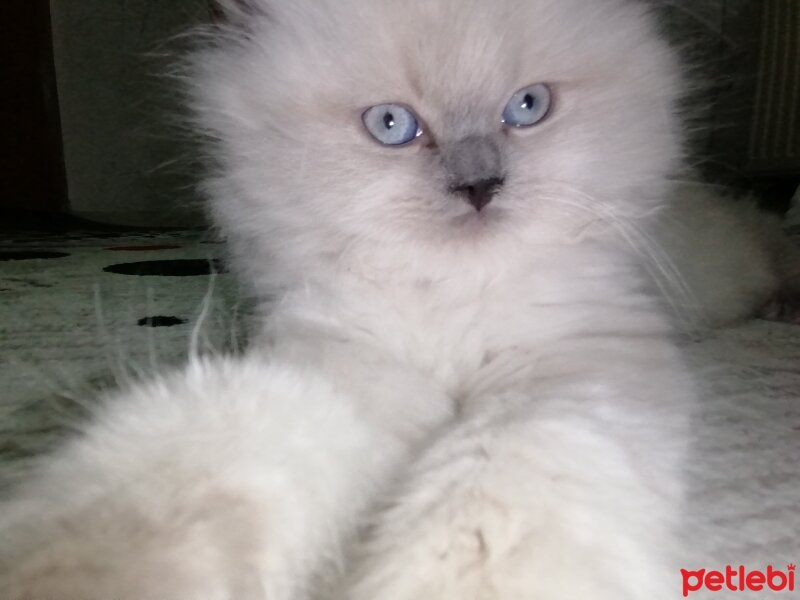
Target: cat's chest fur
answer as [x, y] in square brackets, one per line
[479, 326]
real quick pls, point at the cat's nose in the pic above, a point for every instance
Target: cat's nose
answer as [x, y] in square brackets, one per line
[479, 193]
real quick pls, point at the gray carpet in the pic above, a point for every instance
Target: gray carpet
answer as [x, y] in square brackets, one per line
[745, 487]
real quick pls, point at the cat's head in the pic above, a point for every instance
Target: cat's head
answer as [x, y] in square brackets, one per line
[430, 131]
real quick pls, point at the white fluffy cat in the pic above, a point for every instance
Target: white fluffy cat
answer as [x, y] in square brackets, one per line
[465, 388]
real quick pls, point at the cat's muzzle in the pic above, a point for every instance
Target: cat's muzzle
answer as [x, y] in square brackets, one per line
[474, 168]
[479, 193]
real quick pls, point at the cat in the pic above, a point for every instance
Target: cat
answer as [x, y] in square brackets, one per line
[464, 385]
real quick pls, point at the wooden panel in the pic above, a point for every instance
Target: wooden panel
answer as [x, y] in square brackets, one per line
[775, 132]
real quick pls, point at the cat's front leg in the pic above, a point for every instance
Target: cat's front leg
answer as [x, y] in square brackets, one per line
[561, 499]
[233, 479]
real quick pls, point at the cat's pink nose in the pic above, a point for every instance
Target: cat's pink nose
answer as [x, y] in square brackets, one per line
[479, 193]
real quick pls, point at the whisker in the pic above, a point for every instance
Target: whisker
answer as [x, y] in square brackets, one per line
[657, 262]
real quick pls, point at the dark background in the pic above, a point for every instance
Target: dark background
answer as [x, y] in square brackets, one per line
[32, 172]
[85, 131]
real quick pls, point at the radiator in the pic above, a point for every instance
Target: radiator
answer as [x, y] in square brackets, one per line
[774, 146]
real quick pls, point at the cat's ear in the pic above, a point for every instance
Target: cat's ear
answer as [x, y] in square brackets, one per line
[237, 12]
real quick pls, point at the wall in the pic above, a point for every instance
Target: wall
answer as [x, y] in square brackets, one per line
[119, 152]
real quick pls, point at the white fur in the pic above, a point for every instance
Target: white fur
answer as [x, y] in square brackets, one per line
[214, 483]
[520, 352]
[728, 259]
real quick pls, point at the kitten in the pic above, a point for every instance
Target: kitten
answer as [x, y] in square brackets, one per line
[447, 201]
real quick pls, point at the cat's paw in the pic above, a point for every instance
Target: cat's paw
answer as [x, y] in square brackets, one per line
[174, 567]
[77, 582]
[481, 548]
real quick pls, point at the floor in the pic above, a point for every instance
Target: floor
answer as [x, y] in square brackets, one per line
[83, 308]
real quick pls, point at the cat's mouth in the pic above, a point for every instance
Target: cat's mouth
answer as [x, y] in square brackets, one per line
[478, 220]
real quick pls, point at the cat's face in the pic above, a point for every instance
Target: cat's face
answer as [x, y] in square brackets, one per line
[427, 124]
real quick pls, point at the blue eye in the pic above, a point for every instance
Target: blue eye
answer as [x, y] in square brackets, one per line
[391, 124]
[528, 106]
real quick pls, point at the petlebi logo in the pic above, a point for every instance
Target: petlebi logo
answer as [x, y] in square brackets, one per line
[739, 579]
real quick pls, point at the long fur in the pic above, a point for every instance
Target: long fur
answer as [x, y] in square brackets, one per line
[440, 404]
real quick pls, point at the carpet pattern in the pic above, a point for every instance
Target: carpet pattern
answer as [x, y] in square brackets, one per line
[80, 312]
